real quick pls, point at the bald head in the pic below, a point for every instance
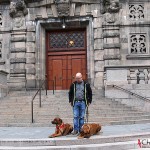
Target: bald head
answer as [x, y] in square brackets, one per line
[79, 77]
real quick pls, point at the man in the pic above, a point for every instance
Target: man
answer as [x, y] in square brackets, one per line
[80, 96]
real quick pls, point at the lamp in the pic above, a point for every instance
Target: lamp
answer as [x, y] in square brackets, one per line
[63, 23]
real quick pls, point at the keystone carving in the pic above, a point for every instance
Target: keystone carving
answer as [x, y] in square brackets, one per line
[63, 7]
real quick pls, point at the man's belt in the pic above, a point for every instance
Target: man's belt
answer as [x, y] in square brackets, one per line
[80, 100]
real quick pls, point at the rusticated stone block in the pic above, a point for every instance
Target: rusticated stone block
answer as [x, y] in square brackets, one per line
[16, 50]
[111, 34]
[30, 70]
[30, 49]
[108, 57]
[97, 22]
[30, 60]
[30, 83]
[98, 44]
[18, 71]
[99, 66]
[31, 28]
[30, 38]
[17, 60]
[18, 39]
[115, 45]
[98, 55]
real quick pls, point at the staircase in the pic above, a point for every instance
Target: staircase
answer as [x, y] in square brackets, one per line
[15, 110]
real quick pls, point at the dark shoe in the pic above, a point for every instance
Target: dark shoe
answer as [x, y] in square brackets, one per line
[75, 132]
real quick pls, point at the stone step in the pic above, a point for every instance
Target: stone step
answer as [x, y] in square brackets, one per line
[69, 118]
[47, 123]
[17, 107]
[71, 140]
[116, 145]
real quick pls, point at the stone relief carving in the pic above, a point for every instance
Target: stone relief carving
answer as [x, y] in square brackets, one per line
[111, 6]
[63, 7]
[138, 44]
[17, 11]
[136, 11]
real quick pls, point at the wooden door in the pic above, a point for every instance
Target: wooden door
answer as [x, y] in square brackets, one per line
[62, 70]
[62, 66]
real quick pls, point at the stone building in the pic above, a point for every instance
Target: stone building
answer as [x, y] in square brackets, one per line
[107, 40]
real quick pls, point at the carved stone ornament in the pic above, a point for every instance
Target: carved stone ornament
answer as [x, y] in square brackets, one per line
[18, 7]
[17, 11]
[111, 6]
[63, 7]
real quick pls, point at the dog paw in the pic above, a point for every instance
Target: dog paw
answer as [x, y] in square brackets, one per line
[50, 136]
[80, 137]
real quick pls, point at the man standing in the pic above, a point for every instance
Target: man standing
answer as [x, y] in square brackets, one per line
[80, 96]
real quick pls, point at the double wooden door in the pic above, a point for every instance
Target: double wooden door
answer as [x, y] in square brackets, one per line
[62, 66]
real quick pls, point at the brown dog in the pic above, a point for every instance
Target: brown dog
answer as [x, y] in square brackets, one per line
[62, 129]
[88, 130]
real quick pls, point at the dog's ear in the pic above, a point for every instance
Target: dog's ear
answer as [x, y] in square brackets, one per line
[60, 120]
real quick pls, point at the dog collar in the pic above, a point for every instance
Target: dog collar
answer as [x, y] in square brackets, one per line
[60, 126]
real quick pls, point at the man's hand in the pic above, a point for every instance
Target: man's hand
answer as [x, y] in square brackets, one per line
[88, 104]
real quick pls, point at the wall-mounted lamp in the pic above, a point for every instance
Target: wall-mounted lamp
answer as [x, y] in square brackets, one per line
[63, 23]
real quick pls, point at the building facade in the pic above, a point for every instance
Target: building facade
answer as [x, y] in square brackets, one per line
[106, 40]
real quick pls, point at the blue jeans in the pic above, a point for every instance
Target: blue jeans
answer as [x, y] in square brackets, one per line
[78, 113]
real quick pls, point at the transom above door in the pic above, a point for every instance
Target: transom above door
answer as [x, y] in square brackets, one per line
[66, 55]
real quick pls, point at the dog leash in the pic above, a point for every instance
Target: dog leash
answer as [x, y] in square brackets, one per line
[87, 114]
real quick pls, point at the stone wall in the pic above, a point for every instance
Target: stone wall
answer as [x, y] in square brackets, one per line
[3, 84]
[117, 39]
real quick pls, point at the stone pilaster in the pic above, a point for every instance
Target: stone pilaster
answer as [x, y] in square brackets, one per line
[17, 78]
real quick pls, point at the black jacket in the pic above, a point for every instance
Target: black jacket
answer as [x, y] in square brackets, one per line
[87, 93]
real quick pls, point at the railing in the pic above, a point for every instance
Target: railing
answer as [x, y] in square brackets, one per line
[131, 93]
[38, 91]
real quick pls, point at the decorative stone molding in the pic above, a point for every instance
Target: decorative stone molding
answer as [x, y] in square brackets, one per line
[110, 57]
[136, 11]
[63, 7]
[138, 43]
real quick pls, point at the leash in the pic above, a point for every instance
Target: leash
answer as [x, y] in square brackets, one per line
[87, 115]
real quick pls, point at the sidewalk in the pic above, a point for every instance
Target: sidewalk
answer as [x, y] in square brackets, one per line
[43, 132]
